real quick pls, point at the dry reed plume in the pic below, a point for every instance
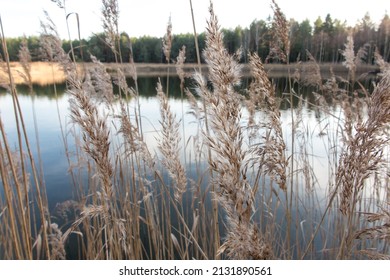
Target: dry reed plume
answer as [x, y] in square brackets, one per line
[363, 157]
[110, 14]
[167, 41]
[169, 145]
[272, 153]
[350, 58]
[364, 150]
[228, 158]
[280, 44]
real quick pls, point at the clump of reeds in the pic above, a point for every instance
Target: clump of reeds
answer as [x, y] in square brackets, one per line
[363, 155]
[25, 193]
[83, 111]
[228, 158]
[94, 130]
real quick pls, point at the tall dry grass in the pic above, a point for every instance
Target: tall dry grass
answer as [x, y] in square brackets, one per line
[23, 196]
[254, 195]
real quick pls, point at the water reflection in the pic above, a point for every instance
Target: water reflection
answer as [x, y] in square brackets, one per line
[316, 122]
[45, 101]
[317, 141]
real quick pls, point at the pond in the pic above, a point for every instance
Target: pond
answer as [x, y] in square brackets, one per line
[313, 134]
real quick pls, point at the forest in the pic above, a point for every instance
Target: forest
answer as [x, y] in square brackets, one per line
[323, 39]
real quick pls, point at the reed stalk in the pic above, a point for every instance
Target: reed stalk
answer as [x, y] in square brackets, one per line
[21, 132]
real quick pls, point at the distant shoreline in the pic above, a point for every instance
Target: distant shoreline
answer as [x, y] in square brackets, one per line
[44, 73]
[273, 70]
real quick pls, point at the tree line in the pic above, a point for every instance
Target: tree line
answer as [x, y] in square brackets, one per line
[324, 40]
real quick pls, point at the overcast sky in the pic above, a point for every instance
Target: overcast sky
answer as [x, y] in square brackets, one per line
[149, 17]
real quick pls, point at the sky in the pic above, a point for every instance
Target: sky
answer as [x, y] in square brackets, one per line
[150, 17]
